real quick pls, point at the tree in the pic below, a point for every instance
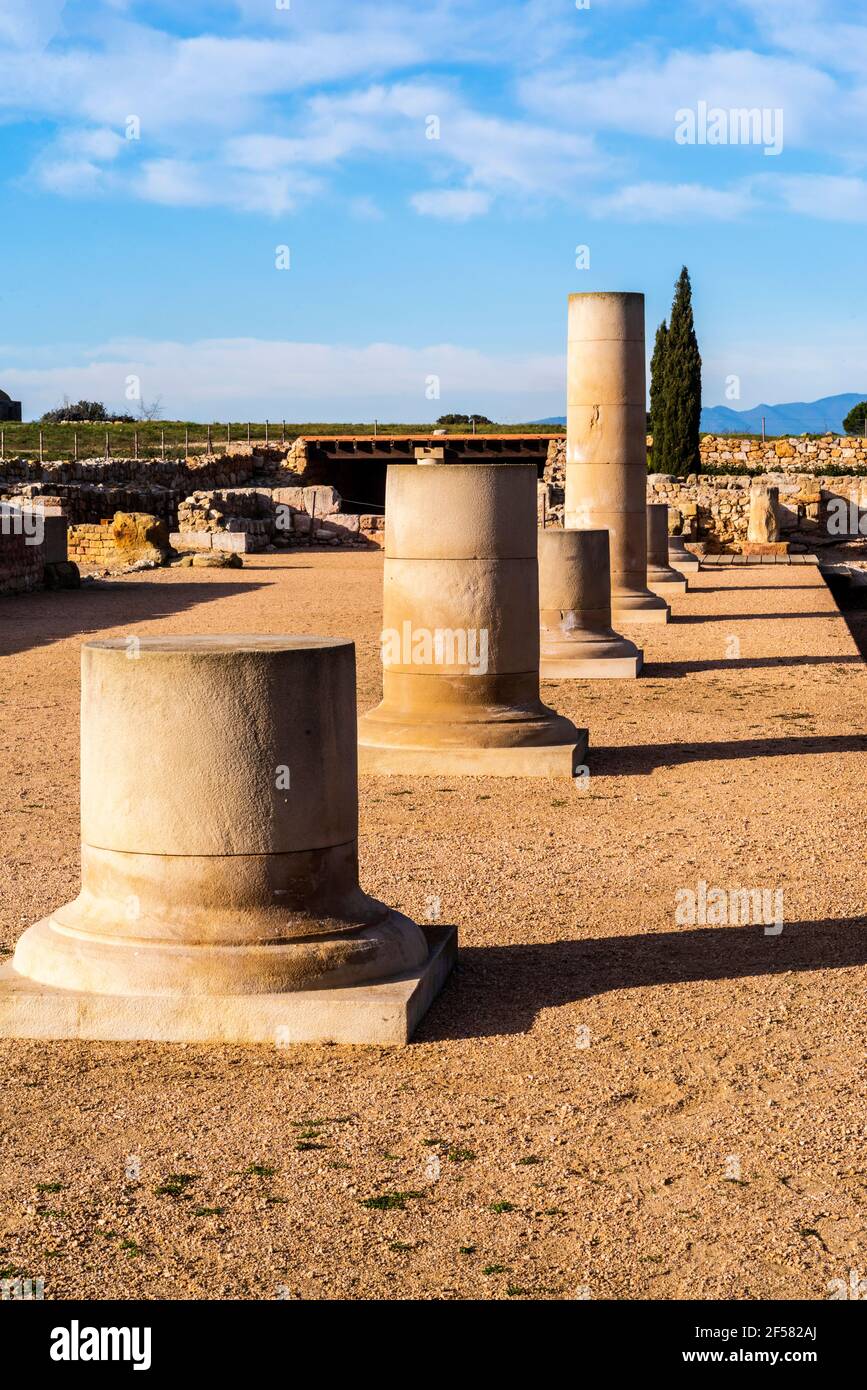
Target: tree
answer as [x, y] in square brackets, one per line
[657, 398]
[854, 422]
[80, 411]
[153, 411]
[464, 420]
[681, 393]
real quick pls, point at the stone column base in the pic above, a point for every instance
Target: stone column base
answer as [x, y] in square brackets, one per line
[384, 1013]
[540, 760]
[681, 559]
[626, 616]
[668, 588]
[585, 668]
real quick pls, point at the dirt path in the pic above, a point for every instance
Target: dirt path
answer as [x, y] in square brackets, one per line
[603, 1100]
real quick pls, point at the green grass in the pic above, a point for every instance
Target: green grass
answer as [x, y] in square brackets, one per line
[389, 1201]
[175, 1185]
[58, 441]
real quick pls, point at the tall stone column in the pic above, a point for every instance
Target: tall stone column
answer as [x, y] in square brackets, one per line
[460, 641]
[662, 578]
[606, 452]
[577, 639]
[219, 896]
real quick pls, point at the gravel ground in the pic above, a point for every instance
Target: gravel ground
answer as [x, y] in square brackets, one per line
[603, 1103]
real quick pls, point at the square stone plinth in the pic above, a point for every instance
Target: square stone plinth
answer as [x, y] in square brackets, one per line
[382, 1014]
[669, 588]
[588, 669]
[765, 548]
[683, 566]
[551, 760]
[626, 617]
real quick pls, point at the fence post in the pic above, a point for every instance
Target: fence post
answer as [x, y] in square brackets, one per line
[135, 444]
[209, 438]
[40, 446]
[75, 445]
[228, 435]
[282, 431]
[163, 443]
[2, 444]
[186, 441]
[248, 431]
[266, 431]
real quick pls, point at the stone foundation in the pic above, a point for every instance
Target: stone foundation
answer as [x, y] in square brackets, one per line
[714, 509]
[21, 564]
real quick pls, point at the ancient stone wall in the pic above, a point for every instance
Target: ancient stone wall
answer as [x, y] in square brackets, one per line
[264, 517]
[243, 464]
[93, 545]
[22, 563]
[830, 454]
[716, 506]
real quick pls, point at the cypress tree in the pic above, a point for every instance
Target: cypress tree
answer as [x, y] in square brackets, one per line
[682, 377]
[657, 398]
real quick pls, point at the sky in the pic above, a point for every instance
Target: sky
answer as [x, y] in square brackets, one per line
[357, 209]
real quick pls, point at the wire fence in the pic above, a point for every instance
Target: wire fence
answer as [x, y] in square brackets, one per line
[174, 439]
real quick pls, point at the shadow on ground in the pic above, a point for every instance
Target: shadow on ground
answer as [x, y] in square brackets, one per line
[681, 618]
[642, 759]
[501, 989]
[35, 620]
[852, 603]
[750, 663]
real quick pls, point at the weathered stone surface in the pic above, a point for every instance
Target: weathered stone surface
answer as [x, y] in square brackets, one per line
[140, 536]
[320, 500]
[460, 643]
[187, 910]
[763, 525]
[606, 456]
[217, 559]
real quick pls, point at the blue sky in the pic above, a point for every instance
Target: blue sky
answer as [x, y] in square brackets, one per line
[412, 258]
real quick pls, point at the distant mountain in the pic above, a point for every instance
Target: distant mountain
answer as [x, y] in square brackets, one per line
[798, 417]
[824, 416]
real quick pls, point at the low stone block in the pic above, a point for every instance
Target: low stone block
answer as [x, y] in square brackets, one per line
[321, 500]
[235, 541]
[191, 540]
[289, 497]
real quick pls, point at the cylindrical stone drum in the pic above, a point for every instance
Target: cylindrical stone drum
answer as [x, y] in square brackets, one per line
[659, 571]
[219, 822]
[460, 640]
[606, 455]
[575, 606]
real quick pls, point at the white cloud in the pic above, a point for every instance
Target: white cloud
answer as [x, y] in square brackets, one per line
[640, 94]
[366, 209]
[242, 378]
[182, 183]
[29, 23]
[829, 198]
[451, 204]
[664, 202]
